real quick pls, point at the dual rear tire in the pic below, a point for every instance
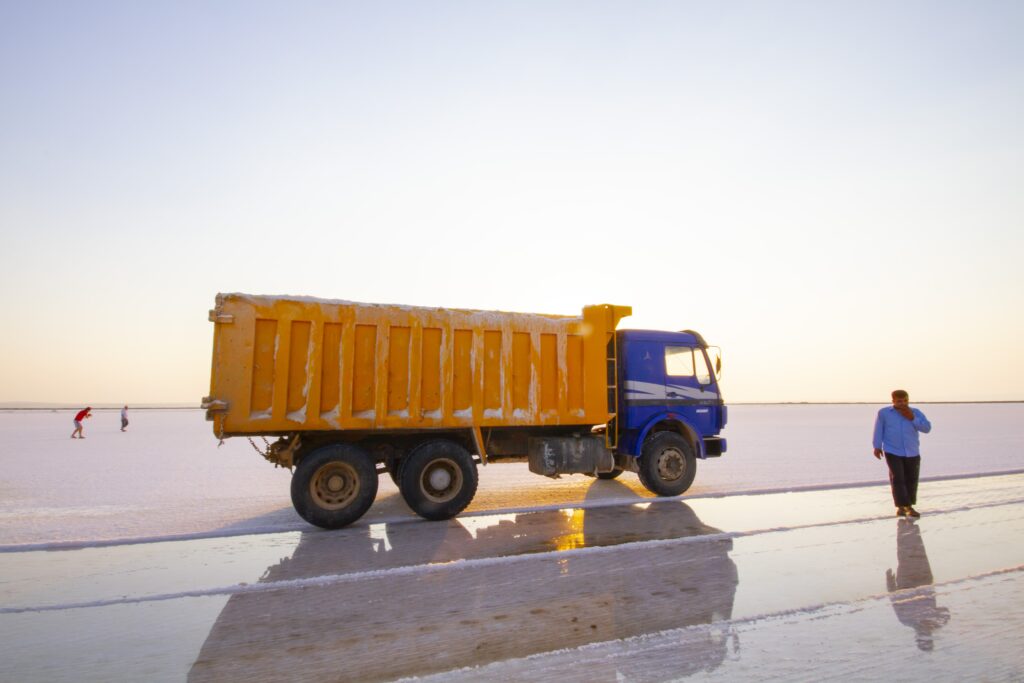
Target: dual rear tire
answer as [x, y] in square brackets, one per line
[335, 485]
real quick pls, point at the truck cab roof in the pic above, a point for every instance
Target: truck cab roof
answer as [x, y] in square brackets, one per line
[685, 337]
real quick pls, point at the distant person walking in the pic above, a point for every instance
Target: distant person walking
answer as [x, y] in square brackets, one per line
[79, 416]
[896, 430]
[124, 418]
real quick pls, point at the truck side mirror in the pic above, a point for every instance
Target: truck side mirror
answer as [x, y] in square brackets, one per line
[715, 356]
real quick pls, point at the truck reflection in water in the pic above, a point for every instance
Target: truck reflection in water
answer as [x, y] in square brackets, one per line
[918, 610]
[502, 587]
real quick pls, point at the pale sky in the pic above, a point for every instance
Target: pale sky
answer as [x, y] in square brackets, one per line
[829, 191]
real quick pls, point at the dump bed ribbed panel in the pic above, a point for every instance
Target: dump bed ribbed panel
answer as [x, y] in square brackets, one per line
[286, 364]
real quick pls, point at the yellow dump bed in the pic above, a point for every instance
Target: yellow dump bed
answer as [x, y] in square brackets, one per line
[293, 364]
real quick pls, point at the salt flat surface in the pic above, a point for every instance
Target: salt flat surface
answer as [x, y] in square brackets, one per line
[166, 476]
[153, 555]
[788, 586]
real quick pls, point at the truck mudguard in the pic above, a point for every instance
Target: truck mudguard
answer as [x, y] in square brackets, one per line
[633, 448]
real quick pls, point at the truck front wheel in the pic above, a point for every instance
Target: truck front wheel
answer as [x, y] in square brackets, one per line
[438, 479]
[334, 485]
[667, 464]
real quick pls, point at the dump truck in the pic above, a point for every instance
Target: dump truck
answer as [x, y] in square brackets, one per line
[352, 391]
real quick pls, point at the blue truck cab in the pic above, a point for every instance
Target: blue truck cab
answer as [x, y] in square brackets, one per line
[669, 400]
[667, 412]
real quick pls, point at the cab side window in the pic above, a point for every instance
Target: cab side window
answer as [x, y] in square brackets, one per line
[679, 361]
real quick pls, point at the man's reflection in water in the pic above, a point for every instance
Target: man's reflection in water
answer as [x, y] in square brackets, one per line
[917, 610]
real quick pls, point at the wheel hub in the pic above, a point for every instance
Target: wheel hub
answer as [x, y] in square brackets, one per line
[671, 465]
[441, 480]
[334, 486]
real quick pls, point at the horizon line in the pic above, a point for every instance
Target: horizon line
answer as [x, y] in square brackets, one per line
[34, 405]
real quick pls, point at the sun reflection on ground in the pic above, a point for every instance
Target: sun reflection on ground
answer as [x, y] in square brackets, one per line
[474, 525]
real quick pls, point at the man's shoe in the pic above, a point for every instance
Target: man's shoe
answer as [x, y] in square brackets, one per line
[912, 512]
[901, 511]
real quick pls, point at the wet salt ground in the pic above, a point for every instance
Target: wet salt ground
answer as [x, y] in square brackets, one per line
[797, 586]
[862, 641]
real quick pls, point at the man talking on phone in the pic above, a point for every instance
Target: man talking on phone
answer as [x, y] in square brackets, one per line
[896, 429]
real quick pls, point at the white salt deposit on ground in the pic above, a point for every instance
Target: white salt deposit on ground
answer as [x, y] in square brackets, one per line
[166, 476]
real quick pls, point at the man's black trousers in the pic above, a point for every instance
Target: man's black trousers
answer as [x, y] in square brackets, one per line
[903, 473]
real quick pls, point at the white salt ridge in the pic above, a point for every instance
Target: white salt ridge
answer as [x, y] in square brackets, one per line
[196, 536]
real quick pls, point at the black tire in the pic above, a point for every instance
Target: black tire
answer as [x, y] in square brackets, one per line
[609, 475]
[667, 464]
[438, 479]
[334, 485]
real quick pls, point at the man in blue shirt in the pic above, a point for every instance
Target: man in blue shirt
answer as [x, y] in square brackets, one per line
[896, 437]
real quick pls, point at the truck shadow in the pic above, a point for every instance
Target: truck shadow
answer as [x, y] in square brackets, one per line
[391, 507]
[399, 599]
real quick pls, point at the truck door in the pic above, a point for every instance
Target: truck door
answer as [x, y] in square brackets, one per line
[688, 387]
[642, 383]
[646, 381]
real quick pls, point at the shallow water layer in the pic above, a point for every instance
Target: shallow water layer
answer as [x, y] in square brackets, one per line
[710, 586]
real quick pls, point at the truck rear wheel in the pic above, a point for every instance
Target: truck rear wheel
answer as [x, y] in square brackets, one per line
[667, 464]
[334, 485]
[438, 479]
[609, 475]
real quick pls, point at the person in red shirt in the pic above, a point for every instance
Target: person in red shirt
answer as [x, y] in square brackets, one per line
[81, 415]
